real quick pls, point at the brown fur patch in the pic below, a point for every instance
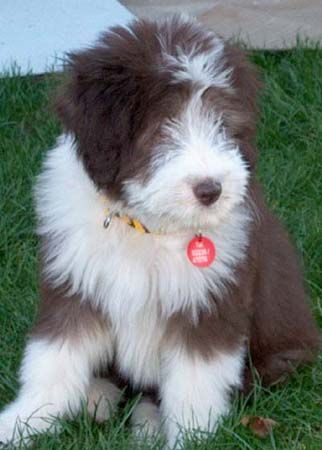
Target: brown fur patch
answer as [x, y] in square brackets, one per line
[283, 332]
[63, 316]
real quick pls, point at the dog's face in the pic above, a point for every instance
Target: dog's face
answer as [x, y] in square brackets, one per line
[163, 115]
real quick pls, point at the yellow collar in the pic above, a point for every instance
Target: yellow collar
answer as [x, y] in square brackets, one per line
[134, 223]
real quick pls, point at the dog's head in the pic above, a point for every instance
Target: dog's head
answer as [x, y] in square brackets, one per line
[164, 118]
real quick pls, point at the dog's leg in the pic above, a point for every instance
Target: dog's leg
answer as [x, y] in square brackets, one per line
[69, 342]
[284, 334]
[195, 390]
[55, 378]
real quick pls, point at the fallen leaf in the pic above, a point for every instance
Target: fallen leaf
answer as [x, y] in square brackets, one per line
[260, 426]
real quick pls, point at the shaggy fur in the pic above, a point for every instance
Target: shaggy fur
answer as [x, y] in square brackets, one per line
[159, 119]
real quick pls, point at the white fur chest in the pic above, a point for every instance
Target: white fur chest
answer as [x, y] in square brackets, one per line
[137, 280]
[138, 347]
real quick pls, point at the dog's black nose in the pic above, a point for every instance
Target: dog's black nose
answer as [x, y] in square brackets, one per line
[207, 191]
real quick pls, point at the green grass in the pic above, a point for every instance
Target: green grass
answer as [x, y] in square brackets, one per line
[290, 167]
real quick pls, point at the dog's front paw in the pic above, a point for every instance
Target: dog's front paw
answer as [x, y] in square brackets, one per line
[146, 420]
[9, 431]
[102, 399]
[15, 431]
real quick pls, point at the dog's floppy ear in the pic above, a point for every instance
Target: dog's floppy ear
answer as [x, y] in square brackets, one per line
[96, 105]
[246, 85]
[245, 79]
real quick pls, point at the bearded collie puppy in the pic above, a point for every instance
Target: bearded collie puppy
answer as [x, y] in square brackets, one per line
[161, 265]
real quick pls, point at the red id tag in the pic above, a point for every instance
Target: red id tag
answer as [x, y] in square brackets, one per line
[201, 251]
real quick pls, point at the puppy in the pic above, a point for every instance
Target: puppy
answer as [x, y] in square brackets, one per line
[159, 258]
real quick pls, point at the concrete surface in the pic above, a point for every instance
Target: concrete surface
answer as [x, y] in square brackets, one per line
[35, 34]
[271, 24]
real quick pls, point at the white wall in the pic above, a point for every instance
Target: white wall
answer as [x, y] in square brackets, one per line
[35, 34]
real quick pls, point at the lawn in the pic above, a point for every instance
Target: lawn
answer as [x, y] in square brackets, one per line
[290, 167]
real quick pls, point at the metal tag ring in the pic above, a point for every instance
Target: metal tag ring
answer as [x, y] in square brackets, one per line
[108, 220]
